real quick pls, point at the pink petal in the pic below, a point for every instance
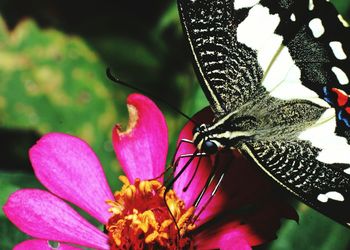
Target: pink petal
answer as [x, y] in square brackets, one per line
[42, 245]
[43, 215]
[256, 225]
[224, 238]
[68, 167]
[221, 232]
[195, 186]
[242, 185]
[142, 148]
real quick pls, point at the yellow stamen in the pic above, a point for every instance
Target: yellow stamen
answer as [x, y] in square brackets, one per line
[141, 219]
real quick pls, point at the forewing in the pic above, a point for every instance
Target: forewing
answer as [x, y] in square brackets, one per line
[292, 49]
[317, 39]
[228, 70]
[302, 48]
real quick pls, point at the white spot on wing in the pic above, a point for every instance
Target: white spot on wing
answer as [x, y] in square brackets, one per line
[347, 171]
[343, 21]
[283, 80]
[268, 50]
[330, 195]
[341, 76]
[322, 198]
[258, 27]
[292, 17]
[239, 4]
[311, 5]
[334, 149]
[257, 32]
[316, 27]
[337, 49]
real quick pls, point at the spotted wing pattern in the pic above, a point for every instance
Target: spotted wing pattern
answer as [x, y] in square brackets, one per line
[318, 40]
[315, 35]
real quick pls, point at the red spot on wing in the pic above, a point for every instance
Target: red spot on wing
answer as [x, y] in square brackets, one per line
[347, 110]
[342, 97]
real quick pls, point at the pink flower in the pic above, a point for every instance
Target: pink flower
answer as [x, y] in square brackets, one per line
[136, 216]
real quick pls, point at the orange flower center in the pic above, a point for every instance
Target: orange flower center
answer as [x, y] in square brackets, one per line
[141, 219]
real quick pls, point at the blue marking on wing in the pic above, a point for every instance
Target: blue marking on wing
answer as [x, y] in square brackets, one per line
[327, 95]
[343, 118]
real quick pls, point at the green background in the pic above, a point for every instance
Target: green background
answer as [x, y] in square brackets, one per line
[53, 56]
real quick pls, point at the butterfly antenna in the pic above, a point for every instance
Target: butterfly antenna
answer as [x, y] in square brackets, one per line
[117, 80]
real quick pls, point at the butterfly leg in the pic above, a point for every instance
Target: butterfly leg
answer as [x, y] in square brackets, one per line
[195, 171]
[176, 163]
[178, 147]
[207, 184]
[171, 166]
[191, 158]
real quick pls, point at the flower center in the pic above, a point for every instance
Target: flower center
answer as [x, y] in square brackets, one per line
[141, 219]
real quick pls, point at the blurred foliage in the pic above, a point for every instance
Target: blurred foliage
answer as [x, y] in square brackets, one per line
[51, 82]
[314, 232]
[53, 56]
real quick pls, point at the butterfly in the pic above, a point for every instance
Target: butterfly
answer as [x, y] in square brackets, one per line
[276, 75]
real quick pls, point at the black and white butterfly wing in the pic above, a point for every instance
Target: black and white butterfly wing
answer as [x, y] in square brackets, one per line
[317, 39]
[295, 166]
[237, 45]
[308, 48]
[294, 54]
[228, 70]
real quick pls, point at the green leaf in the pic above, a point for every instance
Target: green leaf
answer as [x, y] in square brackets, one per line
[54, 82]
[169, 17]
[314, 232]
[342, 6]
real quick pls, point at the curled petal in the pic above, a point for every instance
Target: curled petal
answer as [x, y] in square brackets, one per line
[42, 215]
[68, 167]
[42, 245]
[142, 148]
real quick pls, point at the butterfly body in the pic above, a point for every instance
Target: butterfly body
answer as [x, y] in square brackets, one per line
[276, 77]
